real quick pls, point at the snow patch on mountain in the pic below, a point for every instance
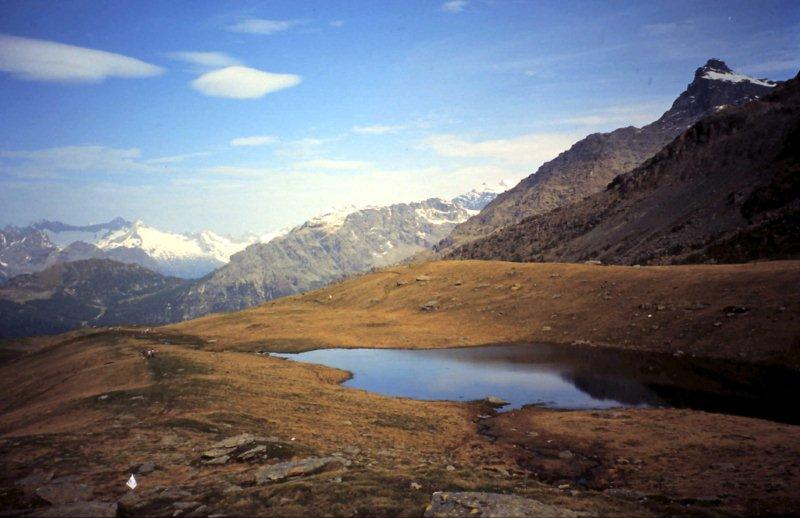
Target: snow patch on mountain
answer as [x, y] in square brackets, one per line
[734, 77]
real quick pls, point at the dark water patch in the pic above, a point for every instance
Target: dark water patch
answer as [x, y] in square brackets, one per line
[568, 377]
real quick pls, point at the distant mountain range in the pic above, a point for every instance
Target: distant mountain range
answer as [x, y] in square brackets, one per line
[45, 243]
[319, 251]
[93, 292]
[328, 248]
[591, 163]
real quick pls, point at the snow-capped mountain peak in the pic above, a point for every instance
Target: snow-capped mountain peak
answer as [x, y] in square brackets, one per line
[717, 70]
[478, 198]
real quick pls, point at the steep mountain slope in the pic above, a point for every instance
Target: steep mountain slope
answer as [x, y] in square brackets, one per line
[83, 293]
[728, 189]
[325, 249]
[588, 166]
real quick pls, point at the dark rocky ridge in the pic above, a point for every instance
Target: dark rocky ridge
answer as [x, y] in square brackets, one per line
[590, 164]
[728, 189]
[94, 292]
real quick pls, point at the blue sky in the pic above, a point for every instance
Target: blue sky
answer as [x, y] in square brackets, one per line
[252, 116]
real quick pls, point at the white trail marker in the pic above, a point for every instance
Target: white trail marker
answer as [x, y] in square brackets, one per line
[132, 482]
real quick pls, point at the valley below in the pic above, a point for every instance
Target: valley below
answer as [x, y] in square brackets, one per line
[213, 423]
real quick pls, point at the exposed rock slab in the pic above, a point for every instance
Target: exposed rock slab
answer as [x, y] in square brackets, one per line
[297, 468]
[469, 504]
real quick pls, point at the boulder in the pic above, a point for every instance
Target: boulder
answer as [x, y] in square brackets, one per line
[468, 504]
[496, 401]
[61, 493]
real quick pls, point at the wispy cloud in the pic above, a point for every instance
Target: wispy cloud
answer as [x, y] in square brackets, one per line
[527, 150]
[336, 23]
[334, 165]
[238, 82]
[263, 26]
[53, 161]
[454, 6]
[377, 129]
[175, 159]
[637, 114]
[42, 60]
[255, 140]
[205, 59]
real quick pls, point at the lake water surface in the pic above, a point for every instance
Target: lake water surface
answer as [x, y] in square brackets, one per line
[567, 377]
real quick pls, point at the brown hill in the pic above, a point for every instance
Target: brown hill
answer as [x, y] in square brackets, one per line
[731, 311]
[726, 190]
[590, 164]
[83, 411]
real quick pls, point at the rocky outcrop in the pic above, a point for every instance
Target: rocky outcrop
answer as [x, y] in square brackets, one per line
[591, 163]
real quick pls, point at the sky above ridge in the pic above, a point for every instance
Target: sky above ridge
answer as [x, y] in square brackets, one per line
[253, 116]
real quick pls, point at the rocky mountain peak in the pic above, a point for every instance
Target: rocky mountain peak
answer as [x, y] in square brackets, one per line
[713, 65]
[714, 85]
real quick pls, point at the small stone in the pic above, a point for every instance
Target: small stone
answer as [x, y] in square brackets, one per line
[103, 397]
[566, 454]
[450, 467]
[547, 328]
[146, 467]
[431, 305]
[423, 278]
[218, 460]
[416, 486]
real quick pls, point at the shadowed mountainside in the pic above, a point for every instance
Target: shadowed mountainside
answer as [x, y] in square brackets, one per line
[726, 190]
[590, 164]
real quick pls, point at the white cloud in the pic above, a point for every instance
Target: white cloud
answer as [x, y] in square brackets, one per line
[262, 26]
[256, 140]
[337, 23]
[376, 129]
[335, 165]
[52, 161]
[41, 60]
[205, 59]
[239, 82]
[528, 150]
[454, 6]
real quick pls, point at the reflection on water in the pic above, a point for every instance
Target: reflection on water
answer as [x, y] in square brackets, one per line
[567, 377]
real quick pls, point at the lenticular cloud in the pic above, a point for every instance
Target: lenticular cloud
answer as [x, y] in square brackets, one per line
[41, 60]
[239, 82]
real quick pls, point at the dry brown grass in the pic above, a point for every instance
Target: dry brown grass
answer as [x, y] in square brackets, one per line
[483, 302]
